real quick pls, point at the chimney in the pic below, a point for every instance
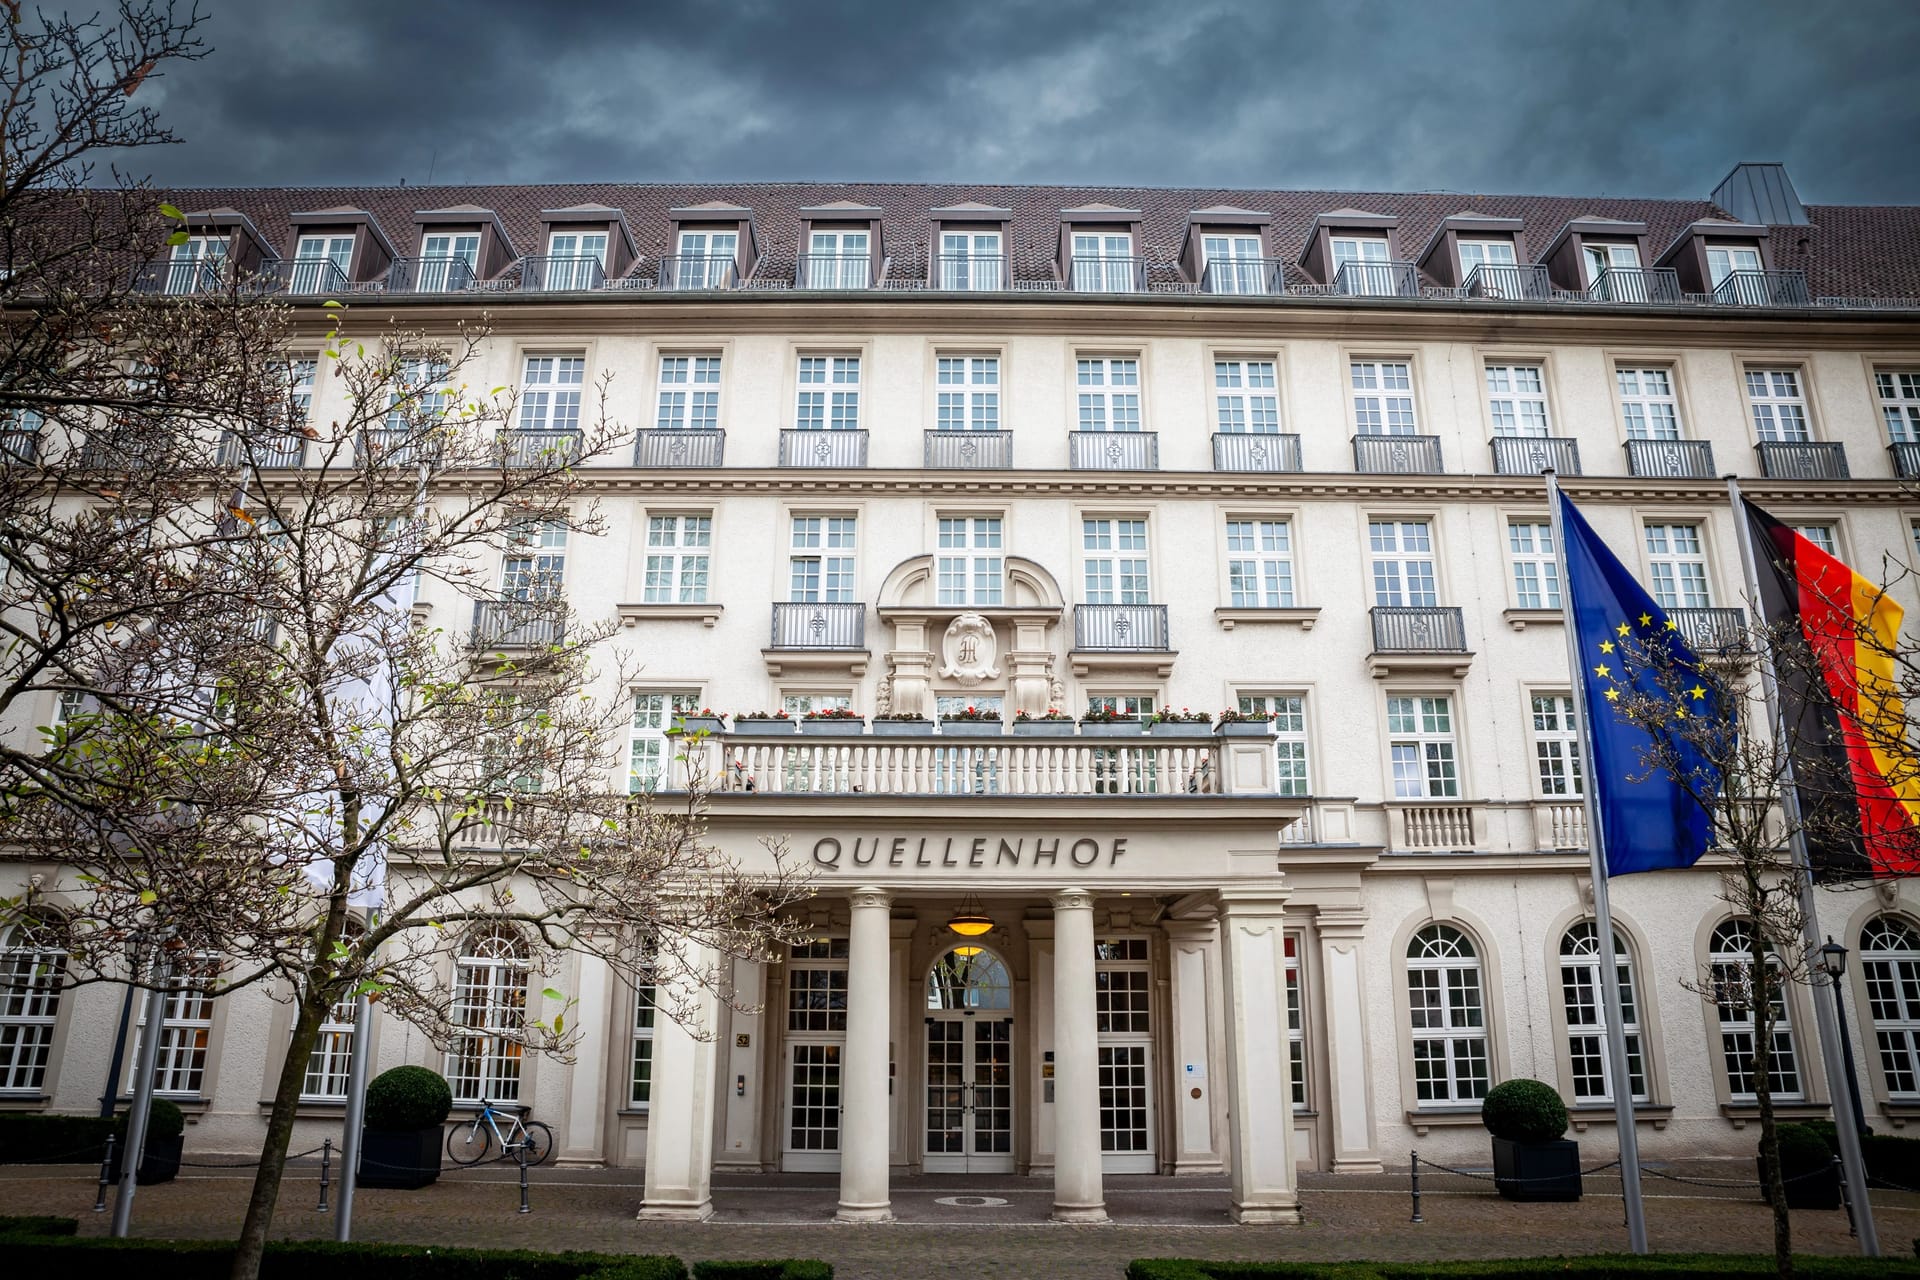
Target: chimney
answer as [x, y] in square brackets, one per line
[1761, 193]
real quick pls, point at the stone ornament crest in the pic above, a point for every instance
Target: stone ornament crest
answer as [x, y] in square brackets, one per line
[969, 648]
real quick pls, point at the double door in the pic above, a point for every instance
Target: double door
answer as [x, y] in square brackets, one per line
[969, 1092]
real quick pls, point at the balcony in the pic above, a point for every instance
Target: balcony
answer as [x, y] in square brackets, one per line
[1432, 826]
[969, 450]
[698, 271]
[307, 277]
[1113, 450]
[530, 448]
[1242, 276]
[1763, 289]
[1377, 280]
[270, 453]
[1712, 632]
[1802, 460]
[518, 624]
[1530, 455]
[1120, 628]
[1509, 282]
[127, 453]
[811, 448]
[1397, 455]
[1636, 284]
[1243, 451]
[395, 446]
[182, 277]
[700, 448]
[1670, 459]
[19, 447]
[1418, 639]
[1107, 275]
[430, 275]
[554, 272]
[970, 272]
[818, 625]
[1905, 456]
[833, 271]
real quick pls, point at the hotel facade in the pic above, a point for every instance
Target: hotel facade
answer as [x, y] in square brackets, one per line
[966, 452]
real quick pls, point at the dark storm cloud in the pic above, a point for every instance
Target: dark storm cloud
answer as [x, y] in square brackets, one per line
[1631, 97]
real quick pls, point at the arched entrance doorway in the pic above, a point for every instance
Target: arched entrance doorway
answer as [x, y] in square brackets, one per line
[969, 1063]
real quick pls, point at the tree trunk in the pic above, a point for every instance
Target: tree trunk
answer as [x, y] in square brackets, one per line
[1761, 988]
[273, 1152]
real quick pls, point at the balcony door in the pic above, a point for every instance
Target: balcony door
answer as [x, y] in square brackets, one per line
[1601, 257]
[970, 260]
[1233, 264]
[838, 260]
[1723, 260]
[1103, 263]
[706, 259]
[448, 262]
[1368, 256]
[575, 260]
[969, 1064]
[311, 273]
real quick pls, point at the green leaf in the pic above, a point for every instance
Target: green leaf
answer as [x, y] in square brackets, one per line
[178, 237]
[168, 211]
[551, 994]
[559, 1024]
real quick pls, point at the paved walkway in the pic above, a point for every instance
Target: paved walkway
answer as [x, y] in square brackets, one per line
[789, 1214]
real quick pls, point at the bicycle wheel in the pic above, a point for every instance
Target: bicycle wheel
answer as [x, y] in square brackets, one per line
[539, 1140]
[469, 1142]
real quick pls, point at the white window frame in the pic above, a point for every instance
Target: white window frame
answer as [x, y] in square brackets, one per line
[1677, 564]
[1403, 562]
[1423, 746]
[1649, 400]
[1596, 257]
[1233, 262]
[1115, 567]
[1725, 259]
[967, 391]
[1824, 534]
[1589, 1057]
[1246, 395]
[1731, 960]
[640, 1058]
[821, 551]
[1777, 403]
[535, 565]
[970, 566]
[440, 248]
[688, 395]
[679, 557]
[839, 259]
[715, 260]
[649, 749]
[422, 382]
[1447, 1007]
[1102, 261]
[1382, 396]
[971, 261]
[193, 257]
[1517, 398]
[32, 981]
[1260, 562]
[491, 976]
[186, 1030]
[827, 392]
[1293, 944]
[1108, 390]
[1556, 746]
[1890, 972]
[330, 1063]
[550, 387]
[1898, 391]
[1535, 569]
[1124, 998]
[1489, 252]
[313, 249]
[1292, 744]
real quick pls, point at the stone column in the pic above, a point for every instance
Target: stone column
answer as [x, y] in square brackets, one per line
[1349, 1066]
[680, 1117]
[1259, 1091]
[864, 1106]
[1077, 1195]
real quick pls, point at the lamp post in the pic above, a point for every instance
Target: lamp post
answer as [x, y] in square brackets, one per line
[1833, 962]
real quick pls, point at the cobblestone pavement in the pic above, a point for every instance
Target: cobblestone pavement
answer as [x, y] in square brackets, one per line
[788, 1215]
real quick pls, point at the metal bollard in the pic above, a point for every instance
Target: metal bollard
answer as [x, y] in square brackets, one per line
[326, 1173]
[1415, 1174]
[1846, 1196]
[106, 1175]
[524, 1206]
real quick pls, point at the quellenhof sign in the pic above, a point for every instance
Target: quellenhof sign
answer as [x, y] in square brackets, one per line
[980, 852]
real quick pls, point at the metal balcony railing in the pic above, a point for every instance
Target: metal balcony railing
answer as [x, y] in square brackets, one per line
[1249, 451]
[390, 446]
[1670, 459]
[1636, 284]
[819, 625]
[700, 448]
[699, 271]
[1530, 455]
[127, 453]
[518, 624]
[19, 447]
[281, 451]
[305, 276]
[823, 448]
[1114, 450]
[833, 271]
[530, 447]
[1100, 274]
[1763, 289]
[1905, 455]
[1397, 455]
[1711, 631]
[1244, 276]
[1418, 629]
[552, 272]
[969, 450]
[196, 276]
[970, 272]
[1802, 460]
[430, 275]
[1511, 282]
[1120, 628]
[1377, 279]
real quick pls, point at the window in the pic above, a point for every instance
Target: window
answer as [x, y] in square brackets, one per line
[1778, 405]
[653, 714]
[1648, 403]
[199, 262]
[1556, 744]
[1123, 1004]
[1899, 403]
[449, 261]
[300, 375]
[1103, 263]
[1296, 1025]
[1402, 563]
[1536, 570]
[970, 568]
[1369, 272]
[1289, 723]
[838, 260]
[32, 972]
[535, 567]
[969, 393]
[971, 260]
[1116, 561]
[550, 392]
[488, 1012]
[689, 394]
[640, 1092]
[1517, 397]
[1599, 257]
[1679, 564]
[817, 987]
[1580, 978]
[1246, 396]
[1821, 536]
[1139, 705]
[1109, 393]
[1260, 564]
[677, 553]
[1420, 745]
[186, 1028]
[1450, 1064]
[331, 1061]
[1383, 397]
[320, 263]
[1492, 253]
[706, 259]
[820, 560]
[829, 395]
[1723, 260]
[576, 259]
[1890, 962]
[1233, 264]
[420, 394]
[1732, 961]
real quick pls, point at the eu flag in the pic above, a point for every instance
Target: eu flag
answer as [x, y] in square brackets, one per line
[1648, 819]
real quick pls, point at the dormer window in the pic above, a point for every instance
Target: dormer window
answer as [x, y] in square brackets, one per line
[1103, 261]
[576, 259]
[1233, 264]
[198, 265]
[1601, 256]
[706, 260]
[448, 261]
[1723, 260]
[320, 264]
[971, 260]
[838, 260]
[1492, 253]
[1360, 265]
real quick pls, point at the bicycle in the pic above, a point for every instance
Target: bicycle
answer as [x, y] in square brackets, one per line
[469, 1144]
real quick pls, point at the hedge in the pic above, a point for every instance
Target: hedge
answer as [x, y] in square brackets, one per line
[38, 1225]
[771, 1269]
[1593, 1267]
[326, 1260]
[32, 1137]
[1892, 1161]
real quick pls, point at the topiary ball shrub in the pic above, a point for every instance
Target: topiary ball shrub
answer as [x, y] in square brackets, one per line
[164, 1120]
[1802, 1150]
[407, 1098]
[1524, 1111]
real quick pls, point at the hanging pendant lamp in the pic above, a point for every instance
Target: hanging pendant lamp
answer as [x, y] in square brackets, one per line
[971, 920]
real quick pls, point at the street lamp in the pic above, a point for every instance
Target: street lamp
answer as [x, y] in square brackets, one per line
[1833, 962]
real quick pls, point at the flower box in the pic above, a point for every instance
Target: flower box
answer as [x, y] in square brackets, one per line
[1127, 728]
[1043, 728]
[762, 724]
[692, 724]
[970, 728]
[1180, 729]
[902, 728]
[1246, 729]
[838, 727]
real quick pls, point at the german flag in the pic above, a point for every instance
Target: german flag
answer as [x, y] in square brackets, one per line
[1834, 634]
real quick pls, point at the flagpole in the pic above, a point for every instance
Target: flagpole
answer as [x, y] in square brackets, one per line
[1611, 1008]
[1826, 1014]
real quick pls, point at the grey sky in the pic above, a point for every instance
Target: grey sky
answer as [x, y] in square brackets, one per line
[1617, 97]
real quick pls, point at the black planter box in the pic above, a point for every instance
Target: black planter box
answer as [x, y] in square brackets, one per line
[407, 1159]
[1819, 1189]
[160, 1162]
[1537, 1170]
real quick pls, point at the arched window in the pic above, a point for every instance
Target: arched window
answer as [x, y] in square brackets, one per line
[1449, 1017]
[331, 1061]
[489, 1010]
[976, 981]
[1890, 960]
[186, 1026]
[1580, 977]
[32, 971]
[1732, 960]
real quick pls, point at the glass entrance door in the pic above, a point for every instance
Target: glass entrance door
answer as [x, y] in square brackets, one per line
[969, 1064]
